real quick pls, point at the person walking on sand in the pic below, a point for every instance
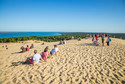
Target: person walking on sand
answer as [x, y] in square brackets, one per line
[102, 40]
[35, 59]
[97, 39]
[93, 39]
[108, 40]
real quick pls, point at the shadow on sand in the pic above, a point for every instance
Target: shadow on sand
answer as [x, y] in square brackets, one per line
[21, 62]
[86, 44]
[17, 52]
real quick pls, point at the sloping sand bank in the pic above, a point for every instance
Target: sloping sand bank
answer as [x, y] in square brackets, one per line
[79, 63]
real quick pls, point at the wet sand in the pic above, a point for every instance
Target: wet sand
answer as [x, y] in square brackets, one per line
[79, 63]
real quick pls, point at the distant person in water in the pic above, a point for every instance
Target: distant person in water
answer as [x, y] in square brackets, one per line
[102, 39]
[32, 46]
[35, 59]
[108, 40]
[27, 48]
[54, 50]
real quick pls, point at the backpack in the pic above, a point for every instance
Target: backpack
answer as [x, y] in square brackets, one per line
[110, 39]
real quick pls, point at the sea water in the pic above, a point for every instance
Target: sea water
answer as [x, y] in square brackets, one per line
[22, 34]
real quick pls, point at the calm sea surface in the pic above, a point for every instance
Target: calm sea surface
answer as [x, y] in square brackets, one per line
[21, 34]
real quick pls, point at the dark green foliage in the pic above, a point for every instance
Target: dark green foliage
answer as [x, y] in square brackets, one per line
[44, 38]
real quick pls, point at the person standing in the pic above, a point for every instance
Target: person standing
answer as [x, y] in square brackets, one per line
[93, 39]
[103, 40]
[108, 40]
[97, 39]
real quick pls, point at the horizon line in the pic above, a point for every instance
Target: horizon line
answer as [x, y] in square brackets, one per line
[56, 31]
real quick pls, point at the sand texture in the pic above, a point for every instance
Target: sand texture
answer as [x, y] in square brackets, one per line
[79, 63]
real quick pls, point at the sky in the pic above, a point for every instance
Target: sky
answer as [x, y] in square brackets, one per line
[63, 15]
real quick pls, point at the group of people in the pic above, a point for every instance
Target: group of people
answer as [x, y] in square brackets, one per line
[95, 39]
[79, 39]
[62, 42]
[5, 46]
[27, 48]
[44, 55]
[48, 54]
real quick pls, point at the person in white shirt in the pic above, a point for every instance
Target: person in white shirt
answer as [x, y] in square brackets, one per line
[64, 41]
[54, 50]
[35, 59]
[72, 37]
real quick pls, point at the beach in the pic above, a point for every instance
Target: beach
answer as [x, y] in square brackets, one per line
[80, 62]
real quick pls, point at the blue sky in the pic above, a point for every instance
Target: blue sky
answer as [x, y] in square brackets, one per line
[63, 15]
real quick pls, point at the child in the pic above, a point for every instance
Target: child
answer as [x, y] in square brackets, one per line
[27, 48]
[55, 50]
[45, 55]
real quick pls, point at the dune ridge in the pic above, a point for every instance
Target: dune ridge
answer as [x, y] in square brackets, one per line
[79, 63]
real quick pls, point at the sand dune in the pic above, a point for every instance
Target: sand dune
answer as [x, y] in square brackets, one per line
[79, 63]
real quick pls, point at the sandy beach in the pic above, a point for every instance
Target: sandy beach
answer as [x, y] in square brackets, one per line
[79, 63]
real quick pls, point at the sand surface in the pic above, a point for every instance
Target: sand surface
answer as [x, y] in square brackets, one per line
[79, 63]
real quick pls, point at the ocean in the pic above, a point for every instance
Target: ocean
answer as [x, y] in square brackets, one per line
[22, 34]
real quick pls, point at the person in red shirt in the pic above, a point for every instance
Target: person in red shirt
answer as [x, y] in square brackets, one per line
[97, 37]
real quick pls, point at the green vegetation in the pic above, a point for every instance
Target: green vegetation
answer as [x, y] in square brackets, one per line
[66, 36]
[44, 38]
